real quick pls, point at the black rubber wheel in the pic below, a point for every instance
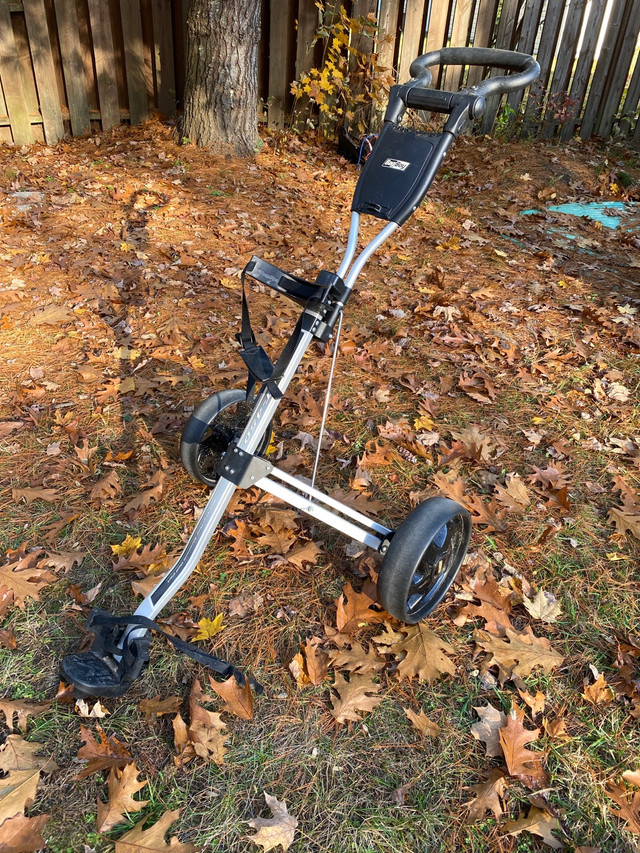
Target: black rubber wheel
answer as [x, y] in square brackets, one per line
[423, 559]
[213, 426]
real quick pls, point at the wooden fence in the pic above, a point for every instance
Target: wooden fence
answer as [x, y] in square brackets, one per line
[67, 66]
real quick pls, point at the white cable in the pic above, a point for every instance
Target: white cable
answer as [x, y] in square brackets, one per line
[326, 400]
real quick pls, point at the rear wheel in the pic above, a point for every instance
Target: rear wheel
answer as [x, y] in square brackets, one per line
[423, 559]
[213, 426]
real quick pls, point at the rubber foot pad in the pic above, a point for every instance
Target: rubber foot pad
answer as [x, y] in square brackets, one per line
[91, 675]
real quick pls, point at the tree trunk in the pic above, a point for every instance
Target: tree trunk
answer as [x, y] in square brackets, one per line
[221, 85]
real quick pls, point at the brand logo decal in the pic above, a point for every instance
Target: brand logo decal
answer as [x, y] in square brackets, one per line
[398, 165]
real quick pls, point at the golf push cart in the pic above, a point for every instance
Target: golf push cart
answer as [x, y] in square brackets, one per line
[225, 440]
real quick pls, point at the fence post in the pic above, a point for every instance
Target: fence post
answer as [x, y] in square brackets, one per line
[279, 62]
[565, 58]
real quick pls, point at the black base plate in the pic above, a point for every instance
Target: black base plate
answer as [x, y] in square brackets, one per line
[91, 675]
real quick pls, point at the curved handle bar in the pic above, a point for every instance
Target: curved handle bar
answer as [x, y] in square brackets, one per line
[526, 67]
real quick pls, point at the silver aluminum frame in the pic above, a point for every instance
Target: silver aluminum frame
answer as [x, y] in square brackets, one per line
[279, 484]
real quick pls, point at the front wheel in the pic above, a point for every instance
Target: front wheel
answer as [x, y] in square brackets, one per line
[423, 559]
[213, 426]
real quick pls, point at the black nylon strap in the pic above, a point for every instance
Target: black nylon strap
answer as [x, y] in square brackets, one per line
[259, 365]
[226, 670]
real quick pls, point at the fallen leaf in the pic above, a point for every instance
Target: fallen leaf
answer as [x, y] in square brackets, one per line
[422, 723]
[544, 606]
[17, 792]
[538, 822]
[519, 653]
[487, 730]
[208, 628]
[244, 604]
[122, 785]
[152, 840]
[489, 797]
[355, 609]
[31, 495]
[105, 753]
[629, 803]
[353, 696]
[107, 488]
[238, 698]
[128, 545]
[96, 712]
[12, 708]
[277, 831]
[154, 708]
[21, 834]
[521, 762]
[17, 753]
[599, 692]
[420, 652]
[355, 658]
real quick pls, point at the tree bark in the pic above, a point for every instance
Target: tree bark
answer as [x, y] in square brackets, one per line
[221, 85]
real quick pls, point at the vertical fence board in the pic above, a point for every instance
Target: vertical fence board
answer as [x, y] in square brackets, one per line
[134, 60]
[388, 32]
[306, 32]
[582, 73]
[412, 38]
[596, 90]
[279, 61]
[72, 67]
[526, 42]
[483, 36]
[45, 74]
[631, 101]
[504, 35]
[163, 53]
[84, 30]
[11, 77]
[546, 53]
[620, 69]
[437, 29]
[565, 60]
[459, 38]
[103, 55]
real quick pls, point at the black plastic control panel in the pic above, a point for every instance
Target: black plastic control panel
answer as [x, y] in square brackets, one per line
[398, 172]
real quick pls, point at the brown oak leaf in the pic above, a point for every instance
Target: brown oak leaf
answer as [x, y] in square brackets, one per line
[122, 785]
[628, 802]
[420, 652]
[538, 822]
[276, 831]
[521, 762]
[20, 833]
[103, 754]
[519, 653]
[489, 797]
[152, 840]
[238, 699]
[422, 723]
[22, 710]
[357, 694]
[487, 730]
[356, 609]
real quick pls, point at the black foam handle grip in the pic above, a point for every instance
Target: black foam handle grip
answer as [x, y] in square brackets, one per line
[525, 66]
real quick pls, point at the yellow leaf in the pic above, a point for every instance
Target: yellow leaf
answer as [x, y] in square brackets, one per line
[423, 422]
[127, 385]
[127, 247]
[127, 546]
[209, 627]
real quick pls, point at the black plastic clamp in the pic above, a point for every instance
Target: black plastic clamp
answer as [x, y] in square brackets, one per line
[243, 469]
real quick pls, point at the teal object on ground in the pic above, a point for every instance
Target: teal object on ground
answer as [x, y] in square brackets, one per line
[597, 211]
[593, 210]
